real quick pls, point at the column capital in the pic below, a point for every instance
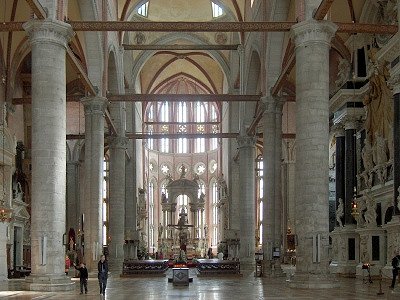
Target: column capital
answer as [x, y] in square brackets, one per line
[313, 31]
[394, 83]
[269, 103]
[246, 141]
[350, 122]
[94, 105]
[337, 130]
[48, 31]
[119, 142]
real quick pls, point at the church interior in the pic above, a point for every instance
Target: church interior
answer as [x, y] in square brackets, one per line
[250, 149]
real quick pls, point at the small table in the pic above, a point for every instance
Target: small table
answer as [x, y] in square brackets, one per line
[180, 276]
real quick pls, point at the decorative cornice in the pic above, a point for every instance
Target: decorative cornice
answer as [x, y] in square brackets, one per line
[94, 105]
[312, 31]
[245, 141]
[48, 31]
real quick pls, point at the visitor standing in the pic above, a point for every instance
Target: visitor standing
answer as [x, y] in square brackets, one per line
[395, 271]
[102, 268]
[83, 276]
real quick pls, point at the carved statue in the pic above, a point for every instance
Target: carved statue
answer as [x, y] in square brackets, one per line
[183, 171]
[367, 155]
[379, 150]
[343, 72]
[222, 187]
[160, 231]
[370, 214]
[202, 197]
[163, 198]
[378, 102]
[364, 256]
[340, 212]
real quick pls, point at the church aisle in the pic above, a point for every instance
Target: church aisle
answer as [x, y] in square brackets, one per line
[247, 288]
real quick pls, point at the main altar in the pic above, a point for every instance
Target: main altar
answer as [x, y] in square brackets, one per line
[182, 232]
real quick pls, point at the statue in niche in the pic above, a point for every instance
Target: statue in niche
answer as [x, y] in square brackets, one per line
[183, 171]
[160, 231]
[370, 214]
[202, 197]
[367, 155]
[222, 187]
[379, 150]
[340, 212]
[364, 256]
[378, 101]
[163, 198]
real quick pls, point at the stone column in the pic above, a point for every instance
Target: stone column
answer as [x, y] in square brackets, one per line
[72, 196]
[312, 41]
[49, 40]
[247, 203]
[349, 168]
[117, 203]
[94, 158]
[278, 234]
[269, 129]
[131, 233]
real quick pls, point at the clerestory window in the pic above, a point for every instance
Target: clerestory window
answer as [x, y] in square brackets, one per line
[216, 10]
[143, 9]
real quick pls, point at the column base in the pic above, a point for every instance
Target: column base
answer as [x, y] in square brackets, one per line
[313, 281]
[49, 283]
[247, 267]
[115, 267]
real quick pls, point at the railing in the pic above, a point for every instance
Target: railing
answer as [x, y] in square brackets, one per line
[217, 267]
[134, 267]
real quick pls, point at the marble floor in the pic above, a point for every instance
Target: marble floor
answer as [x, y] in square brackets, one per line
[246, 287]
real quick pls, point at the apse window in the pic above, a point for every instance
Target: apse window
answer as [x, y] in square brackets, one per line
[216, 10]
[143, 9]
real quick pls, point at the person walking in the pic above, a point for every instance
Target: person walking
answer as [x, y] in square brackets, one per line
[395, 271]
[83, 276]
[102, 268]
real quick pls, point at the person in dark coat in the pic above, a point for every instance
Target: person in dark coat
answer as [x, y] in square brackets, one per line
[102, 268]
[396, 267]
[83, 276]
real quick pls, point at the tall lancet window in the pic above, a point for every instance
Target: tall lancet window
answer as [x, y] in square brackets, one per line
[260, 197]
[151, 215]
[199, 117]
[182, 118]
[214, 128]
[164, 117]
[214, 210]
[105, 201]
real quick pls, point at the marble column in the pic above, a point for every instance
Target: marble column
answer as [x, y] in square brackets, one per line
[340, 166]
[312, 41]
[349, 169]
[269, 136]
[117, 203]
[49, 40]
[3, 250]
[94, 157]
[247, 203]
[72, 196]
